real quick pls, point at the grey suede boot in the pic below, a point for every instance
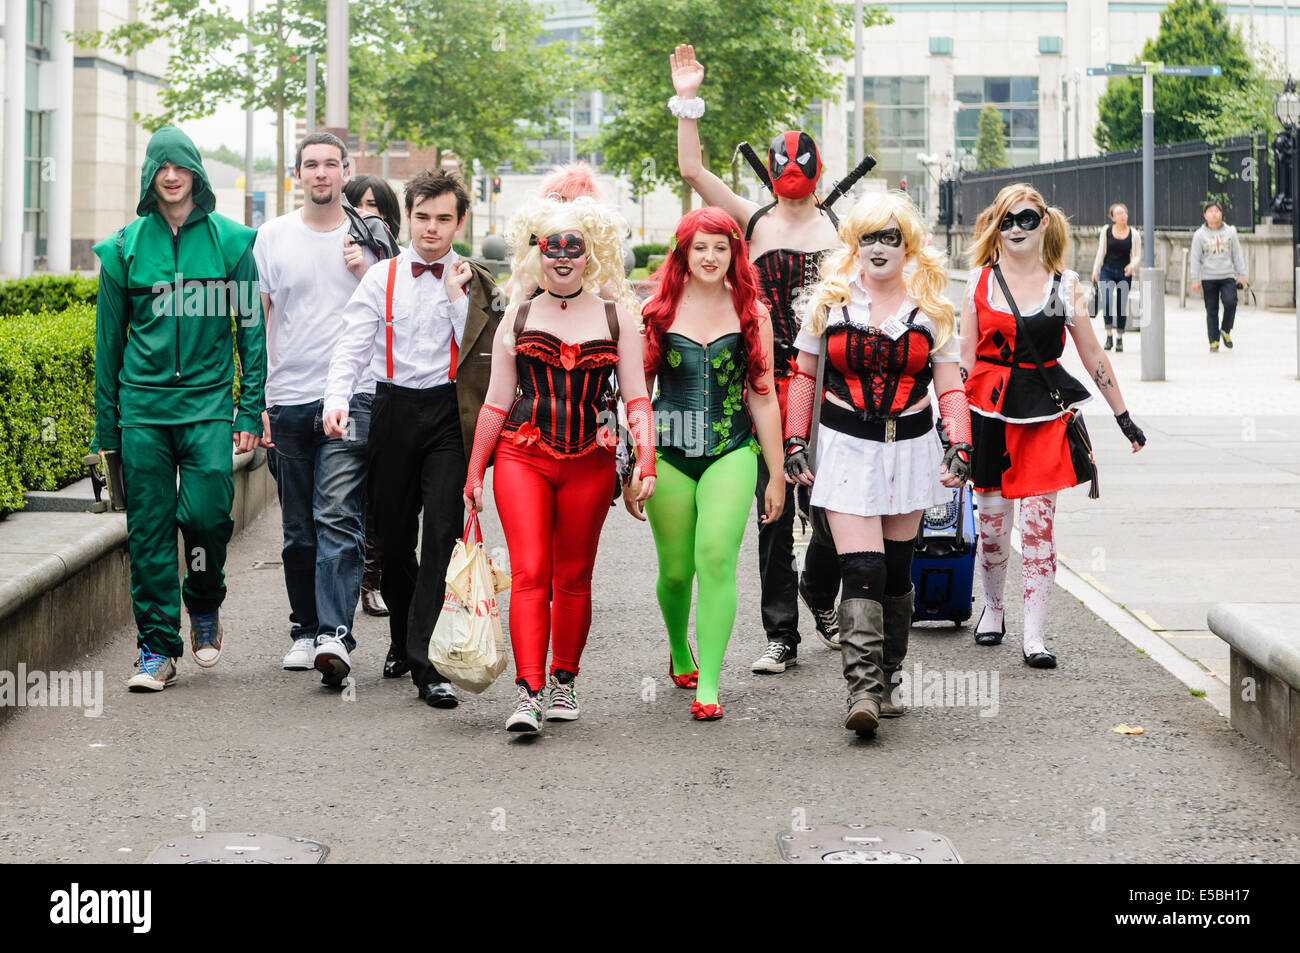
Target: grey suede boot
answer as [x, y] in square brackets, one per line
[862, 640]
[898, 626]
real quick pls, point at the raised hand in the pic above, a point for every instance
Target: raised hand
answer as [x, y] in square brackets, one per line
[688, 72]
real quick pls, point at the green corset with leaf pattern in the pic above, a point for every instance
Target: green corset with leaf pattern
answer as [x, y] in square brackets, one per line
[700, 410]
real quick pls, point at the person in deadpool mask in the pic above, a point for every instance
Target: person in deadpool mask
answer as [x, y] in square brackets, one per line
[787, 240]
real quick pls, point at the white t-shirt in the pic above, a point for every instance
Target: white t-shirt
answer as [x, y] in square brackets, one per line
[303, 272]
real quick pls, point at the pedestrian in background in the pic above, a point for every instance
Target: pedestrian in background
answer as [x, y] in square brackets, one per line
[1218, 270]
[371, 195]
[1119, 250]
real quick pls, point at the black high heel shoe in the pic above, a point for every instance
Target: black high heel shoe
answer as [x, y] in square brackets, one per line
[989, 638]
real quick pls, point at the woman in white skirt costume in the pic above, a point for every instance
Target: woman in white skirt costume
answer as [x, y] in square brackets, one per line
[880, 314]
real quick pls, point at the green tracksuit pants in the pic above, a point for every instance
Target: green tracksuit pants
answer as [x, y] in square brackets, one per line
[152, 456]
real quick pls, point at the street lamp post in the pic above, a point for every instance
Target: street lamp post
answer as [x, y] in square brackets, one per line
[1286, 200]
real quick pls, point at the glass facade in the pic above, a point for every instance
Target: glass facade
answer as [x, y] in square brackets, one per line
[896, 125]
[1016, 97]
[36, 133]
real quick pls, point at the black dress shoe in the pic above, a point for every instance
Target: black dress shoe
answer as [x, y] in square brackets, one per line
[989, 638]
[439, 695]
[395, 666]
[1043, 659]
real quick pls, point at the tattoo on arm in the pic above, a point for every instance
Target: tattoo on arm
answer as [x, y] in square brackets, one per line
[1101, 376]
[964, 374]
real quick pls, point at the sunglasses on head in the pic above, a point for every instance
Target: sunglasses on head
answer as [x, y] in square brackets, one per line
[568, 245]
[1028, 220]
[893, 237]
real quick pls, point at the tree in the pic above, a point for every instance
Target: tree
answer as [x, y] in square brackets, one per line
[990, 141]
[210, 62]
[766, 65]
[1192, 32]
[871, 135]
[472, 78]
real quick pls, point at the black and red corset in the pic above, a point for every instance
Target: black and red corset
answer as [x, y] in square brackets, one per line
[564, 389]
[784, 273]
[877, 375]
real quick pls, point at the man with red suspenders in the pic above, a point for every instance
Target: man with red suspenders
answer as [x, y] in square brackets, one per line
[422, 323]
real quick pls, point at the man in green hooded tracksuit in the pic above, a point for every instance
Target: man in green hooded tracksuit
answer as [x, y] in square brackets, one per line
[172, 283]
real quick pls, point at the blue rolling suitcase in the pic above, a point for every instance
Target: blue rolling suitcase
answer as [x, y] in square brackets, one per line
[943, 566]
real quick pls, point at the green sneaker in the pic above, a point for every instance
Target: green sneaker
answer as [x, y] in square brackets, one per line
[564, 699]
[153, 672]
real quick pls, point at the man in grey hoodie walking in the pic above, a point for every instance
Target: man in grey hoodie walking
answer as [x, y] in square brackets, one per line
[1218, 270]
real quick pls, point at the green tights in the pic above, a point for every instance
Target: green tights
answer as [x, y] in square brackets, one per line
[698, 526]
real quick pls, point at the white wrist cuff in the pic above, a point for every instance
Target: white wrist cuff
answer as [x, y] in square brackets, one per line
[686, 108]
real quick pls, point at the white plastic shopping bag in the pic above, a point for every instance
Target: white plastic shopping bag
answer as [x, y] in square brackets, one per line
[468, 645]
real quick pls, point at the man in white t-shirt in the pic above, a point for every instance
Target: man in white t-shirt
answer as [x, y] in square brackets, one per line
[309, 267]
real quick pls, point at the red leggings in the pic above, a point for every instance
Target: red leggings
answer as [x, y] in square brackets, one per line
[552, 512]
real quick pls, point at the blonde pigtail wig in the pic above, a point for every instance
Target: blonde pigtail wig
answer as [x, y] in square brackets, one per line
[925, 273]
[601, 227]
[986, 248]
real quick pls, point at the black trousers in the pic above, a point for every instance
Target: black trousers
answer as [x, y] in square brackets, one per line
[1214, 289]
[417, 461]
[776, 566]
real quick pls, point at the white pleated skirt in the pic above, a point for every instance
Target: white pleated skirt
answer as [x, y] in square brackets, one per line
[875, 478]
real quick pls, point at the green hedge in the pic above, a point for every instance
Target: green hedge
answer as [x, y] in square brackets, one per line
[47, 377]
[643, 253]
[46, 293]
[653, 262]
[462, 249]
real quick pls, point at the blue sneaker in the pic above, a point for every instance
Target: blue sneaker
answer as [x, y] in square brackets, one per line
[153, 672]
[205, 638]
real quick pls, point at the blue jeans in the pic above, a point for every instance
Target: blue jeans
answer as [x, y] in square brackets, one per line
[1112, 295]
[321, 482]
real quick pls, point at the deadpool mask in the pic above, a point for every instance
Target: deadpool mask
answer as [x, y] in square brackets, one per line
[794, 164]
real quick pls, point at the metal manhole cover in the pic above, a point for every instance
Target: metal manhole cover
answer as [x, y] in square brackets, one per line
[238, 849]
[866, 844]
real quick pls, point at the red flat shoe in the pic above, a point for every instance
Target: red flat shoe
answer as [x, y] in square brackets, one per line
[690, 679]
[705, 712]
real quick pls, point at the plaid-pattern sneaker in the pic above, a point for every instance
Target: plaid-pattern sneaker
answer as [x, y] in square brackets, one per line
[205, 638]
[153, 672]
[527, 715]
[564, 699]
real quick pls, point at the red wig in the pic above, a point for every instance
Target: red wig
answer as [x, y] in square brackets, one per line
[670, 279]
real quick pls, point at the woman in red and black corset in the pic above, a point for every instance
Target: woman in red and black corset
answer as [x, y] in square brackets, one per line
[548, 418]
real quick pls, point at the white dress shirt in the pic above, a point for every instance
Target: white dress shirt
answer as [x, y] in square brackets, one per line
[425, 323]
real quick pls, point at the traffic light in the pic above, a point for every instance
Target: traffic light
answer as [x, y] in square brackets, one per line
[482, 188]
[496, 185]
[947, 192]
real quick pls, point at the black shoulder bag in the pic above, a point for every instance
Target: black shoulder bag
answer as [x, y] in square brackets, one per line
[1076, 433]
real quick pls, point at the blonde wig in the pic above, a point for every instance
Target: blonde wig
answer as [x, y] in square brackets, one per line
[925, 274]
[601, 227]
[987, 246]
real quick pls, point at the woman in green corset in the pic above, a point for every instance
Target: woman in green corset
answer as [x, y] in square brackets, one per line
[709, 343]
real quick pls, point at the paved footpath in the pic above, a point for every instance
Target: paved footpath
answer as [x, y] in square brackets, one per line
[1209, 511]
[1036, 774]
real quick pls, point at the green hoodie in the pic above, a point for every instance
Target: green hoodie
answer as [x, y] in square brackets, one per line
[166, 305]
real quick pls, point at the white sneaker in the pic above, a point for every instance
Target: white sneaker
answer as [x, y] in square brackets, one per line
[153, 672]
[527, 715]
[564, 700]
[301, 656]
[331, 658]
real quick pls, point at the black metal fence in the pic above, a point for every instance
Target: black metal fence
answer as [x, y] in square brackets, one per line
[1185, 178]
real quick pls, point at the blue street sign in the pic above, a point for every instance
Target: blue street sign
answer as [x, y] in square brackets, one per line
[1138, 69]
[1190, 71]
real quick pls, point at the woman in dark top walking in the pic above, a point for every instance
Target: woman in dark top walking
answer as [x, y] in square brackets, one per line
[1119, 251]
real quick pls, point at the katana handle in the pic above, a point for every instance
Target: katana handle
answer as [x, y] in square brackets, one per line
[843, 185]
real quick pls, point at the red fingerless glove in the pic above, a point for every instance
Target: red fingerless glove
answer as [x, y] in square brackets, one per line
[954, 408]
[799, 406]
[486, 433]
[640, 420]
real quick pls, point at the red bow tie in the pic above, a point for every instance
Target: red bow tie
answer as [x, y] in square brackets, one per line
[418, 268]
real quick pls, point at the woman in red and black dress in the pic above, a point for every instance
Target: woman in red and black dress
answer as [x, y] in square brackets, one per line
[1021, 446]
[548, 418]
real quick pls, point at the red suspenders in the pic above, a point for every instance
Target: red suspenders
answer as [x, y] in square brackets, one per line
[388, 327]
